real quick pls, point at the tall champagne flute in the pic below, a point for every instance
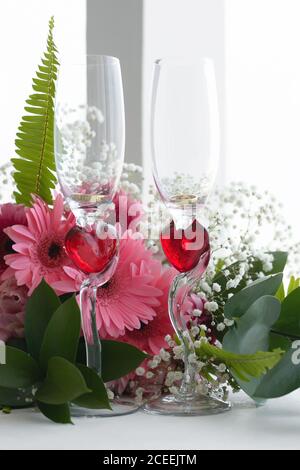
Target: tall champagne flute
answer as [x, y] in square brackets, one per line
[89, 152]
[185, 150]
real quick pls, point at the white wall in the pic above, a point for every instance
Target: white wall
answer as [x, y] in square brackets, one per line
[183, 28]
[140, 31]
[115, 27]
[263, 97]
[23, 34]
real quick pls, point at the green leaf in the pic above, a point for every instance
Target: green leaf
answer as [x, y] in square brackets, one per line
[283, 379]
[62, 334]
[279, 262]
[237, 305]
[280, 294]
[36, 148]
[289, 320]
[39, 309]
[64, 383]
[252, 333]
[278, 341]
[119, 359]
[253, 328]
[18, 343]
[16, 398]
[293, 284]
[20, 370]
[98, 398]
[243, 366]
[56, 413]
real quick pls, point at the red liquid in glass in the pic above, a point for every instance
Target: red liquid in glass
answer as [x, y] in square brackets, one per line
[184, 248]
[88, 252]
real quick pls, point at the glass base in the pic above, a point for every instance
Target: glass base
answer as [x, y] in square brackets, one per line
[182, 406]
[119, 407]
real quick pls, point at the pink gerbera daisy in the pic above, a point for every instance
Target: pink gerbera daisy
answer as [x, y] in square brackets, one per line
[39, 246]
[150, 337]
[131, 296]
[10, 214]
[129, 212]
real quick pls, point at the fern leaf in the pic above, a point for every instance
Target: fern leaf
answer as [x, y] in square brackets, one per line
[243, 366]
[34, 166]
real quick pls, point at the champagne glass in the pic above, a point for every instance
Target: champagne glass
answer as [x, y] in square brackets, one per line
[185, 150]
[89, 152]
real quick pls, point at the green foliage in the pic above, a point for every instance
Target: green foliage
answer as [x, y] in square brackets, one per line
[237, 305]
[35, 164]
[280, 294]
[243, 366]
[62, 334]
[20, 370]
[119, 359]
[289, 320]
[282, 380]
[63, 383]
[294, 284]
[57, 413]
[97, 398]
[42, 370]
[39, 310]
[279, 262]
[252, 334]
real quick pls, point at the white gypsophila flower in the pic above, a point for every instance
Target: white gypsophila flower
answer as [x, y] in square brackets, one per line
[140, 371]
[197, 313]
[222, 368]
[178, 352]
[211, 306]
[221, 327]
[149, 375]
[216, 287]
[110, 393]
[195, 330]
[178, 375]
[165, 355]
[202, 388]
[228, 322]
[192, 358]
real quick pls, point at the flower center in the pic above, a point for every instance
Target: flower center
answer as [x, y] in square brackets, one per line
[51, 252]
[5, 248]
[110, 291]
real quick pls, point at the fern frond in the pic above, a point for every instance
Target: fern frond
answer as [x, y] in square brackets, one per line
[35, 165]
[243, 366]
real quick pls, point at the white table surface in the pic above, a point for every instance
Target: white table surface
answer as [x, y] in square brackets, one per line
[273, 426]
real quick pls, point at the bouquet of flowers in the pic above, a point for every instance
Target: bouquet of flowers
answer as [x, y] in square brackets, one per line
[243, 321]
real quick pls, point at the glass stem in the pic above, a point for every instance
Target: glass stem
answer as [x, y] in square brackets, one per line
[188, 384]
[88, 298]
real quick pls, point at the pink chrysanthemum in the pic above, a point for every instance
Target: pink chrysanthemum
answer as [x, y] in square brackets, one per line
[131, 296]
[13, 300]
[10, 214]
[39, 246]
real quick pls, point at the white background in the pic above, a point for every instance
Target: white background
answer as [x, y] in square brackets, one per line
[23, 36]
[256, 47]
[263, 97]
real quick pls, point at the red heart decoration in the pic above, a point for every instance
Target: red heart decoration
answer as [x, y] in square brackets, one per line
[88, 252]
[184, 248]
